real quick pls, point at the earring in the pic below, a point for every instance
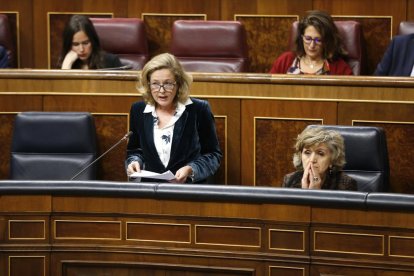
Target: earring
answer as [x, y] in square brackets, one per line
[330, 169]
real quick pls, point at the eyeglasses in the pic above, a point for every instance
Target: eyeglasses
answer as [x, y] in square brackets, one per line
[308, 40]
[168, 86]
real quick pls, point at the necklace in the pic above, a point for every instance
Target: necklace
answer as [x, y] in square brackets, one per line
[311, 64]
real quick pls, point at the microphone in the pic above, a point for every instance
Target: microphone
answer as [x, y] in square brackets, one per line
[126, 136]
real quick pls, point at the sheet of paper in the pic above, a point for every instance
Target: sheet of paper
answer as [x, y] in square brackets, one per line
[168, 175]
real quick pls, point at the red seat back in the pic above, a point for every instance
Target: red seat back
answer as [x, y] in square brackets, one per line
[210, 46]
[124, 37]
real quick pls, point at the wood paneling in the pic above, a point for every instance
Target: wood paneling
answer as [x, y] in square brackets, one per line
[258, 116]
[398, 123]
[55, 27]
[34, 36]
[23, 26]
[92, 234]
[396, 9]
[159, 29]
[260, 30]
[269, 130]
[377, 32]
[263, 7]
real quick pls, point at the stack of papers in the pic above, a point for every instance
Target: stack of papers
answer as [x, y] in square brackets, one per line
[168, 175]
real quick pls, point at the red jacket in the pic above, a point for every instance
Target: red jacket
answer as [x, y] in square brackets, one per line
[285, 60]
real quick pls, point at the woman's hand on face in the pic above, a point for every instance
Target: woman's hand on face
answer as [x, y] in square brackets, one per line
[133, 167]
[314, 178]
[306, 177]
[70, 58]
[182, 174]
[311, 179]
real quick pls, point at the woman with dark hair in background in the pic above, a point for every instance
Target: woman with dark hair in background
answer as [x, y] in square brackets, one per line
[81, 47]
[318, 49]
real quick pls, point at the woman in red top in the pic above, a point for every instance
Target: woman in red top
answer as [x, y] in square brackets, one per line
[318, 49]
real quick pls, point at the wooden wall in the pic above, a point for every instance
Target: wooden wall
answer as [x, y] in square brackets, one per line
[266, 33]
[257, 115]
[107, 235]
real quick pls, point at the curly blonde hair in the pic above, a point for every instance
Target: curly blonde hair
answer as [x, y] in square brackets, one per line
[164, 61]
[318, 135]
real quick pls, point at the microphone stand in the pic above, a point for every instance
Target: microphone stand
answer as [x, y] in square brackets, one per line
[103, 154]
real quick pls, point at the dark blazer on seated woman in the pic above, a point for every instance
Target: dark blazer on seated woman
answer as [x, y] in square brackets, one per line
[334, 181]
[194, 139]
[398, 59]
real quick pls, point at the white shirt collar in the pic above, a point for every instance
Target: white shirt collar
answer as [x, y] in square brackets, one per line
[149, 108]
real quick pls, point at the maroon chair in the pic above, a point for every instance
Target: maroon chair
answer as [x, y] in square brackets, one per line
[124, 37]
[352, 38]
[406, 27]
[210, 46]
[6, 40]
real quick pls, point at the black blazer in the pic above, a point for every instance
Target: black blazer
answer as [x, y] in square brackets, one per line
[398, 60]
[194, 142]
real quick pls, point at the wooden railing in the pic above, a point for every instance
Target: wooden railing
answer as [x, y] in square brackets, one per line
[115, 228]
[257, 115]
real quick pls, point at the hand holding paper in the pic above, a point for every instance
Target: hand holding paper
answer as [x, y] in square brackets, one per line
[168, 175]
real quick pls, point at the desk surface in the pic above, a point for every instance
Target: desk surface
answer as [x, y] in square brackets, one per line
[81, 227]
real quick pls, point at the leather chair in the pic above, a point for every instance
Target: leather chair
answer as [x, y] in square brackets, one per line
[352, 38]
[366, 156]
[53, 146]
[210, 46]
[124, 37]
[406, 27]
[6, 40]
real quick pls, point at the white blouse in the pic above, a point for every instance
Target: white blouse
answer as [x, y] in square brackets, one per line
[163, 136]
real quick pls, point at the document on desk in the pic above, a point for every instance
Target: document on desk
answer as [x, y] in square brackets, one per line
[168, 175]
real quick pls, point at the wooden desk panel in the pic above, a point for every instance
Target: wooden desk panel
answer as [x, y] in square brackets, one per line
[69, 235]
[257, 115]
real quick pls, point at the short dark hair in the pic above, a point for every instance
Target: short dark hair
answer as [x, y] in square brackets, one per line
[324, 24]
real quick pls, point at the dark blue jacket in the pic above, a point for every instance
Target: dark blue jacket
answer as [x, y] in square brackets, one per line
[4, 57]
[398, 60]
[194, 142]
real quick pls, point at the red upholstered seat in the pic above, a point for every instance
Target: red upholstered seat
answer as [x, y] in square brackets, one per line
[406, 27]
[6, 40]
[351, 34]
[210, 46]
[124, 37]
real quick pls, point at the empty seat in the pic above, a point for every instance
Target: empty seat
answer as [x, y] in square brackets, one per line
[210, 46]
[53, 146]
[366, 156]
[352, 39]
[124, 37]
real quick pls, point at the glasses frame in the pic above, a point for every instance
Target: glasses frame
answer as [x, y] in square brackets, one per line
[308, 40]
[151, 85]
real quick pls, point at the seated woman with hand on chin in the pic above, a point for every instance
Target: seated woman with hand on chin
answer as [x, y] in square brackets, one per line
[319, 158]
[318, 49]
[82, 48]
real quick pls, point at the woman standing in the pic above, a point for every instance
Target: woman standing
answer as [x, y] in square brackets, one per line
[171, 131]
